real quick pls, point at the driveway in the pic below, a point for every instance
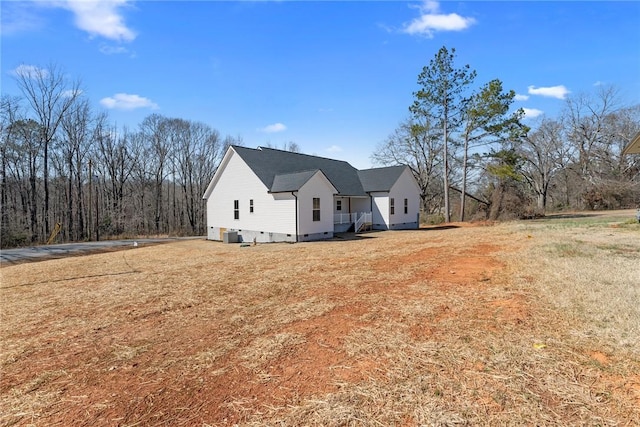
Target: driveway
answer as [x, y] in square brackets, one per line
[41, 253]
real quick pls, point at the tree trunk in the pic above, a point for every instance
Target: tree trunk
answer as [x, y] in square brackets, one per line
[70, 231]
[447, 216]
[33, 208]
[4, 213]
[464, 180]
[496, 202]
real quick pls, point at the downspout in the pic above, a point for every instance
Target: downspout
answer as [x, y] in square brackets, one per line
[371, 207]
[293, 193]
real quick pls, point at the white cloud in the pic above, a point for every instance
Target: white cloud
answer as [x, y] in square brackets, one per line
[334, 149]
[276, 127]
[100, 18]
[431, 21]
[531, 113]
[113, 50]
[520, 97]
[559, 92]
[125, 101]
[29, 71]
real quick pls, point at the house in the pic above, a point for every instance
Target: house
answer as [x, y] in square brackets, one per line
[270, 195]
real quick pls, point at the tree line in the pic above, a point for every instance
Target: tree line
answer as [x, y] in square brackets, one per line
[465, 140]
[66, 170]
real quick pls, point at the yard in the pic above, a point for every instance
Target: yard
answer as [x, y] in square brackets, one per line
[521, 323]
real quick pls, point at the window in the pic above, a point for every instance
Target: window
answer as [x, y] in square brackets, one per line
[406, 206]
[338, 205]
[316, 209]
[392, 206]
[236, 209]
[251, 205]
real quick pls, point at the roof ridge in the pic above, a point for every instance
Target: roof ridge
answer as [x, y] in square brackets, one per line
[384, 167]
[261, 148]
[300, 171]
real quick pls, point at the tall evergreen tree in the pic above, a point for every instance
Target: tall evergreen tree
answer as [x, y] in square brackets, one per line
[486, 120]
[443, 97]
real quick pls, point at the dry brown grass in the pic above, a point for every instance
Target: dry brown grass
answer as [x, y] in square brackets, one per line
[525, 323]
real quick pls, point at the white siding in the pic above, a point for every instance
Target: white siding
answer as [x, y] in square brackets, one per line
[380, 202]
[345, 205]
[360, 204]
[317, 186]
[405, 188]
[272, 213]
[352, 204]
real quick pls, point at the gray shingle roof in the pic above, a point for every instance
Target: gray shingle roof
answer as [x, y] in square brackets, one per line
[282, 171]
[267, 163]
[291, 181]
[380, 179]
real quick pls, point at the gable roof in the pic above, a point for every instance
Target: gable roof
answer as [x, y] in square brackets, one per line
[380, 179]
[268, 163]
[285, 171]
[292, 181]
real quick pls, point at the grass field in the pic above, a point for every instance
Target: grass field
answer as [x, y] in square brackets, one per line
[520, 323]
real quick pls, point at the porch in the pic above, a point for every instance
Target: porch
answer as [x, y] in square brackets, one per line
[354, 221]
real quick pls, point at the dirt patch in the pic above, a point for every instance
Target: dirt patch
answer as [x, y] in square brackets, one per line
[599, 357]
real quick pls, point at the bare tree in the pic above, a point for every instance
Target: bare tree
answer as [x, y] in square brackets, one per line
[158, 145]
[417, 144]
[199, 149]
[584, 118]
[75, 145]
[50, 97]
[542, 151]
[117, 162]
[291, 146]
[9, 107]
[595, 130]
[140, 187]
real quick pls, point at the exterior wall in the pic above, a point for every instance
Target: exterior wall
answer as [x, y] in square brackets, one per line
[317, 186]
[361, 204]
[380, 211]
[405, 188]
[345, 205]
[342, 227]
[352, 204]
[273, 214]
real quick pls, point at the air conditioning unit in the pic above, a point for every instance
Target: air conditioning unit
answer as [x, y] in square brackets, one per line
[230, 237]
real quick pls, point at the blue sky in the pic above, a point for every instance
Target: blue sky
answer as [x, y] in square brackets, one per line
[335, 77]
